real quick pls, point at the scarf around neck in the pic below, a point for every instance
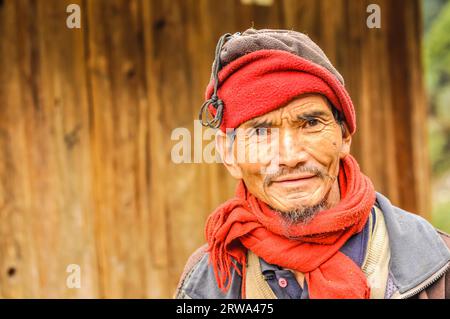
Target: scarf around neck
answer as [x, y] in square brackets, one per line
[246, 223]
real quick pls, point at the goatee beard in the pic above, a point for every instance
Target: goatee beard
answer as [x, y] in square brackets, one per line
[301, 215]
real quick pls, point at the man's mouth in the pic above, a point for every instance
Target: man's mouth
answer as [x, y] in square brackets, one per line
[294, 180]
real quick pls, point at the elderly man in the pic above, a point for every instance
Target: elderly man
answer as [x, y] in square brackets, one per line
[304, 222]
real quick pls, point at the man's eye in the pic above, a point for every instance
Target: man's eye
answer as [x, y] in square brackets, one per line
[311, 122]
[262, 131]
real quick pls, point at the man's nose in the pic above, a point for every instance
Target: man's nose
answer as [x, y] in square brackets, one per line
[291, 149]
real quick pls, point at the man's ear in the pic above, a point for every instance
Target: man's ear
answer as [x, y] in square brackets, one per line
[224, 145]
[346, 140]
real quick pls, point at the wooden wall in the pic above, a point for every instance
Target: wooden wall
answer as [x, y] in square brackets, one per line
[86, 117]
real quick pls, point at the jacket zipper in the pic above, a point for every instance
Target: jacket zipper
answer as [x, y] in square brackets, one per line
[435, 277]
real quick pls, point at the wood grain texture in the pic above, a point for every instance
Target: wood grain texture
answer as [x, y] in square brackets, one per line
[86, 117]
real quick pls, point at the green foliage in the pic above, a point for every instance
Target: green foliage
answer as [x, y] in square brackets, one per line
[437, 66]
[441, 216]
[437, 51]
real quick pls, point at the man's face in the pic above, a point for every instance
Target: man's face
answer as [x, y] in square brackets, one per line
[300, 146]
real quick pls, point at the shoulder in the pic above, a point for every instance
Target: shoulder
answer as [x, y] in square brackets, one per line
[192, 262]
[402, 223]
[418, 251]
[411, 232]
[198, 280]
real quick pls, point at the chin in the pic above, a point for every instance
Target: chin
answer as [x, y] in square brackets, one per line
[289, 205]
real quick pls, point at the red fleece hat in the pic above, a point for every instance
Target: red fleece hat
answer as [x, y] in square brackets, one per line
[265, 80]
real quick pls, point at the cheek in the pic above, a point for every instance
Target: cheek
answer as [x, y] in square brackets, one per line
[250, 169]
[325, 147]
[253, 179]
[253, 169]
[254, 158]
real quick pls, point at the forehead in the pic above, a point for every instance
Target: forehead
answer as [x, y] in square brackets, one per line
[298, 106]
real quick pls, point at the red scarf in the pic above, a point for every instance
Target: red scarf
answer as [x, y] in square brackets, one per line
[245, 222]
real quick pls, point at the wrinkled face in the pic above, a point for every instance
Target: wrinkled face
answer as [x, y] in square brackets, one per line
[298, 147]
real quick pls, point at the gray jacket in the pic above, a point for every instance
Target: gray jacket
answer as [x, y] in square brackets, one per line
[420, 259]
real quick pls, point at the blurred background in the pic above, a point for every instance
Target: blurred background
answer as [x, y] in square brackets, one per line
[436, 49]
[86, 117]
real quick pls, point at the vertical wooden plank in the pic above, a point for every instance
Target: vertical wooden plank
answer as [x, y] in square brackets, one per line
[419, 112]
[65, 98]
[408, 105]
[381, 127]
[352, 70]
[48, 185]
[374, 141]
[176, 209]
[65, 107]
[119, 108]
[18, 275]
[158, 233]
[303, 16]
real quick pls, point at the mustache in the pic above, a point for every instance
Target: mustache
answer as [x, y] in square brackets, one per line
[321, 173]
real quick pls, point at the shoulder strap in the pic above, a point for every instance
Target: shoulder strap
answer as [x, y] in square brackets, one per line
[256, 286]
[376, 262]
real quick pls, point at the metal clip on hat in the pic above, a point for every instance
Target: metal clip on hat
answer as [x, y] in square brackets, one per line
[214, 100]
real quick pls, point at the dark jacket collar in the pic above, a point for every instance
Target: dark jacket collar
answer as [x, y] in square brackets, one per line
[417, 250]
